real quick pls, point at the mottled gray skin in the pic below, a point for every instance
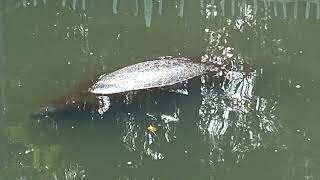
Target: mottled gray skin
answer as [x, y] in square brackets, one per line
[149, 74]
[94, 97]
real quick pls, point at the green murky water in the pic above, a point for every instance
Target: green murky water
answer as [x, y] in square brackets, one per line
[256, 122]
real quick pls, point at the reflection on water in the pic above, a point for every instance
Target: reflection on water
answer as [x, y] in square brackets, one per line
[248, 122]
[231, 118]
[235, 120]
[278, 8]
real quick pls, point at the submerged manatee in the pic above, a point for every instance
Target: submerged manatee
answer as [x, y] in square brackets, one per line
[152, 74]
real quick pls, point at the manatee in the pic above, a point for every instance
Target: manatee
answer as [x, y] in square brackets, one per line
[137, 78]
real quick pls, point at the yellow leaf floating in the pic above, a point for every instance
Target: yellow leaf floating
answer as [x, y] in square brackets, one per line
[152, 129]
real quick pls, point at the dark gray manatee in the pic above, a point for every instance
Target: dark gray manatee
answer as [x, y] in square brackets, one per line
[99, 95]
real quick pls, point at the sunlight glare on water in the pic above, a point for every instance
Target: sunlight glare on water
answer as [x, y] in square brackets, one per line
[255, 118]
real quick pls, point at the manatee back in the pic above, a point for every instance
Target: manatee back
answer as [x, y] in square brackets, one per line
[149, 74]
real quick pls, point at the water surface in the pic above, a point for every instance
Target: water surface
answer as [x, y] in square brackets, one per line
[257, 121]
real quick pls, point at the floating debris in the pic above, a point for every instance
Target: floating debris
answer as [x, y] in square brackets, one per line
[152, 129]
